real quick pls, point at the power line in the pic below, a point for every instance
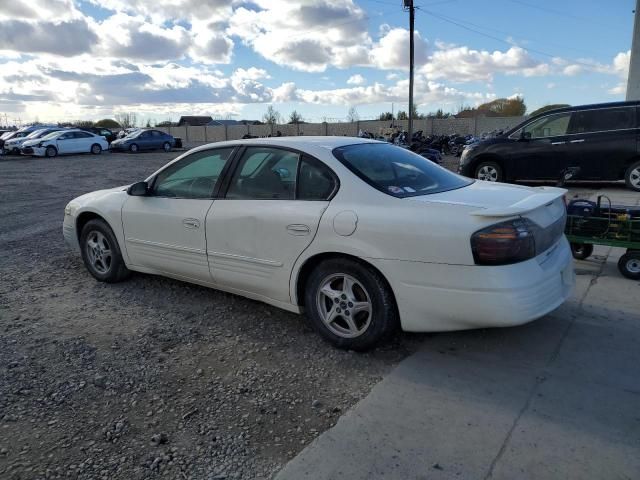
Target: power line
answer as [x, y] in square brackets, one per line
[549, 10]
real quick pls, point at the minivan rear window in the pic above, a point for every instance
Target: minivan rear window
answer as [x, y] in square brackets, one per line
[397, 171]
[602, 120]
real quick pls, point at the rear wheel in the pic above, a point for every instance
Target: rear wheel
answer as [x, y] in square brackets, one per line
[350, 304]
[133, 148]
[489, 171]
[581, 251]
[632, 177]
[96, 149]
[101, 252]
[629, 264]
[51, 151]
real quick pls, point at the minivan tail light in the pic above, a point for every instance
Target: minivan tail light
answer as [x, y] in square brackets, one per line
[505, 243]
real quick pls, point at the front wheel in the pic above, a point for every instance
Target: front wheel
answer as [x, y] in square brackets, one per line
[166, 147]
[629, 264]
[96, 149]
[489, 171]
[101, 252]
[632, 177]
[350, 304]
[51, 151]
[581, 251]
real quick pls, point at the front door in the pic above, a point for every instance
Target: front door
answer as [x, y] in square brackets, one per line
[269, 216]
[602, 142]
[66, 143]
[542, 152]
[165, 230]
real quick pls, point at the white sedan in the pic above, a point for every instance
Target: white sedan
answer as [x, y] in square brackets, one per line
[64, 142]
[363, 236]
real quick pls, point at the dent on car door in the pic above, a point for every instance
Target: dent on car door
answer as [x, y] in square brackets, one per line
[165, 230]
[269, 216]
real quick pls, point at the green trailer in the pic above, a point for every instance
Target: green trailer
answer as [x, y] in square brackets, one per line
[590, 224]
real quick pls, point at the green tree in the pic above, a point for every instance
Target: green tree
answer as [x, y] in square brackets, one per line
[385, 116]
[548, 107]
[402, 115]
[271, 116]
[107, 123]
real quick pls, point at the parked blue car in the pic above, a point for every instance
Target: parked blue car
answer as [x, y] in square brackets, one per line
[144, 140]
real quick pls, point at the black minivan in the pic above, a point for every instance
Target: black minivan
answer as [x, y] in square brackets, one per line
[602, 140]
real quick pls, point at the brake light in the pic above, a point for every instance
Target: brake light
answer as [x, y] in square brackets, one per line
[505, 243]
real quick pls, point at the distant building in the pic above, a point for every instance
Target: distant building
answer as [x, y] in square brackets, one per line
[217, 123]
[194, 120]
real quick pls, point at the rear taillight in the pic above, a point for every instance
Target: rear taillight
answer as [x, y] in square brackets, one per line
[505, 243]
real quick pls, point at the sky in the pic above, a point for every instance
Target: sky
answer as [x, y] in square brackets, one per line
[65, 60]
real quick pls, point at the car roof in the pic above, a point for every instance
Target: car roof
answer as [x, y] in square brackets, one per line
[299, 142]
[590, 107]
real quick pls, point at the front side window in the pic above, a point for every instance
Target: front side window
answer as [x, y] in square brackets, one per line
[192, 177]
[549, 126]
[397, 171]
[586, 121]
[156, 133]
[265, 173]
[65, 136]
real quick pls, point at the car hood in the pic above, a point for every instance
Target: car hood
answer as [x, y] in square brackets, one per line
[32, 142]
[490, 199]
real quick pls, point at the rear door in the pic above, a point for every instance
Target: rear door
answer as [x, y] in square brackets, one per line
[602, 142]
[270, 214]
[83, 142]
[145, 141]
[541, 153]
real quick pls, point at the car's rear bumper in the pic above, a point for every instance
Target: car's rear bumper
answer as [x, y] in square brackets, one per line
[439, 297]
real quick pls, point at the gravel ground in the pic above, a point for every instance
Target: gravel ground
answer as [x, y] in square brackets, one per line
[151, 377]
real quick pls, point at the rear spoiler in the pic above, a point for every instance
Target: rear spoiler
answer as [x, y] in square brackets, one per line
[542, 196]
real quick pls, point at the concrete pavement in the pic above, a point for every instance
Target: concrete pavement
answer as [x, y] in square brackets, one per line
[557, 398]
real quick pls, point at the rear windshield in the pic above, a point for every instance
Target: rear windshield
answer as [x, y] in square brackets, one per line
[397, 171]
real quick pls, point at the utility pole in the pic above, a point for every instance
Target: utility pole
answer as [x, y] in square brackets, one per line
[633, 80]
[408, 5]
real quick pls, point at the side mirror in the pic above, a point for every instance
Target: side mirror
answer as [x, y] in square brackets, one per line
[525, 136]
[138, 189]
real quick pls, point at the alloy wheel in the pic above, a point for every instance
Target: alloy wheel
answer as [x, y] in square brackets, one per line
[633, 265]
[488, 173]
[98, 251]
[634, 177]
[344, 305]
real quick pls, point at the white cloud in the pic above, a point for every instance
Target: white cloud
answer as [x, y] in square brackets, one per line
[356, 79]
[70, 37]
[463, 64]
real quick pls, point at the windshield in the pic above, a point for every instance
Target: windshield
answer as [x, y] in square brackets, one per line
[51, 135]
[397, 171]
[6, 134]
[34, 134]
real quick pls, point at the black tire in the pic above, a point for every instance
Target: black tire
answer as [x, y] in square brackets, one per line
[133, 148]
[51, 151]
[115, 269]
[632, 177]
[489, 171]
[581, 251]
[166, 146]
[382, 319]
[96, 149]
[629, 264]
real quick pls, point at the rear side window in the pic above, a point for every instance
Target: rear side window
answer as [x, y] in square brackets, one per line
[602, 120]
[397, 171]
[315, 181]
[82, 135]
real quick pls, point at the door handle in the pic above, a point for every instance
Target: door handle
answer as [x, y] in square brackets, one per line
[298, 229]
[558, 143]
[191, 223]
[577, 141]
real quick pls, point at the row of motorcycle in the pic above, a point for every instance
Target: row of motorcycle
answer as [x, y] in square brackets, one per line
[433, 146]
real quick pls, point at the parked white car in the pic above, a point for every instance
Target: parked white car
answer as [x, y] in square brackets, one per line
[65, 141]
[362, 235]
[14, 145]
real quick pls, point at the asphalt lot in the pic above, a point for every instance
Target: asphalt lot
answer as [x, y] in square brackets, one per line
[157, 377]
